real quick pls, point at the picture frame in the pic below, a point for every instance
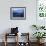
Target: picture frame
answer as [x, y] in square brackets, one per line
[41, 12]
[18, 13]
[41, 8]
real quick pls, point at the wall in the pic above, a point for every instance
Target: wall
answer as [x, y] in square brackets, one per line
[24, 25]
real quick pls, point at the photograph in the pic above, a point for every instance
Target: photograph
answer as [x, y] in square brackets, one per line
[18, 13]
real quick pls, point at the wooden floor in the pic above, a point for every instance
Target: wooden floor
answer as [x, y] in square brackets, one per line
[13, 44]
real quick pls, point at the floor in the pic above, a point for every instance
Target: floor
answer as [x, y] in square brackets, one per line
[13, 44]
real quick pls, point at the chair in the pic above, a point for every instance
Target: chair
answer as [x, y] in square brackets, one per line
[14, 32]
[26, 37]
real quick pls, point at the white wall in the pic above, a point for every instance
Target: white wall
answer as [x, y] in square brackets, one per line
[24, 25]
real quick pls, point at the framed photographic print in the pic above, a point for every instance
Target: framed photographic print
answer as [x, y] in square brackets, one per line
[41, 8]
[41, 12]
[18, 13]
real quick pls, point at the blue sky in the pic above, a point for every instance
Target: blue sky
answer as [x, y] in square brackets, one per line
[18, 10]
